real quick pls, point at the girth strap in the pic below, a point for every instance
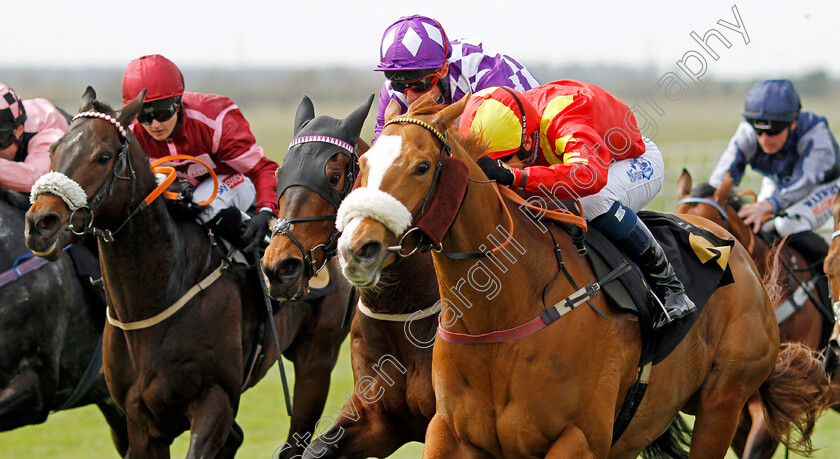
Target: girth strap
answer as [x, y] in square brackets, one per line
[632, 401]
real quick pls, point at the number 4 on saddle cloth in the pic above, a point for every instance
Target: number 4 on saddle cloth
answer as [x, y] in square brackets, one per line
[699, 258]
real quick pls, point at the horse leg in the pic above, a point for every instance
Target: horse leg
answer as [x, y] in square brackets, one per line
[119, 429]
[441, 442]
[211, 423]
[742, 431]
[145, 446]
[313, 368]
[760, 443]
[572, 443]
[232, 444]
[716, 420]
[360, 431]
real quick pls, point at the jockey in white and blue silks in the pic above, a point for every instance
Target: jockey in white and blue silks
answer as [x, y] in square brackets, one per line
[800, 161]
[417, 56]
[794, 151]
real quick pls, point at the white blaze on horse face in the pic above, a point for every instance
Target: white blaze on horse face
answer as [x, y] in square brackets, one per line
[381, 156]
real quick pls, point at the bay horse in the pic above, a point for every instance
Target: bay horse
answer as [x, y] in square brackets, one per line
[185, 372]
[50, 334]
[390, 407]
[554, 392]
[802, 322]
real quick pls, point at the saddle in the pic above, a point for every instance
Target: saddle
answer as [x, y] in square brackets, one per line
[699, 258]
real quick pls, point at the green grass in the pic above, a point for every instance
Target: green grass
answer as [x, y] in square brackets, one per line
[82, 432]
[692, 133]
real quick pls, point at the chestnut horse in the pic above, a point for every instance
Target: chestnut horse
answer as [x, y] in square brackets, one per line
[50, 334]
[804, 325]
[831, 266]
[553, 392]
[390, 407]
[185, 372]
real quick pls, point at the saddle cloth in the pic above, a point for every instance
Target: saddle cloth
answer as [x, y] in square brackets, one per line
[700, 260]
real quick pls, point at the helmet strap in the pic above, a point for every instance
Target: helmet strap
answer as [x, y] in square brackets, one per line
[180, 117]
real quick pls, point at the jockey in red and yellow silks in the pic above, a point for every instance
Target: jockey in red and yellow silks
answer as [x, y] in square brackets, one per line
[580, 128]
[573, 140]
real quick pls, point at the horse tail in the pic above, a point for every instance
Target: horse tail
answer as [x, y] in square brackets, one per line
[674, 443]
[794, 396]
[776, 274]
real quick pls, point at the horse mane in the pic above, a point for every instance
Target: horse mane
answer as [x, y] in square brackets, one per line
[705, 190]
[474, 144]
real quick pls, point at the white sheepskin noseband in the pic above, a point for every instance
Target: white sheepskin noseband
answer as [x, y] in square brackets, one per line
[62, 186]
[376, 204]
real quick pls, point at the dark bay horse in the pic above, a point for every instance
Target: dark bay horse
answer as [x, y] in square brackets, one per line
[554, 392]
[50, 332]
[390, 346]
[185, 372]
[802, 323]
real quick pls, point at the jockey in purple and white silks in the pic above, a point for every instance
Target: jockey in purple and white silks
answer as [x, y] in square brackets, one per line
[417, 57]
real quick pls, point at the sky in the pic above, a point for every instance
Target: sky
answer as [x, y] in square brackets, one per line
[785, 39]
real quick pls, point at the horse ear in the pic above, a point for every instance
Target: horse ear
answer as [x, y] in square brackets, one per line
[684, 184]
[393, 110]
[87, 100]
[131, 109]
[352, 125]
[446, 117]
[722, 193]
[363, 147]
[305, 113]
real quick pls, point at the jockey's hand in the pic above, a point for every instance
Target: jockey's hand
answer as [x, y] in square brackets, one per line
[496, 170]
[257, 229]
[754, 214]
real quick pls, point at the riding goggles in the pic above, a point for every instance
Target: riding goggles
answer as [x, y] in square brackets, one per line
[157, 113]
[419, 85]
[768, 127]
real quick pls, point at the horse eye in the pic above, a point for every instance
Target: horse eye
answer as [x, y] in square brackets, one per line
[422, 169]
[335, 178]
[104, 158]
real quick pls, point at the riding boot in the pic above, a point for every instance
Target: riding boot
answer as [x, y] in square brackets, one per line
[630, 234]
[227, 224]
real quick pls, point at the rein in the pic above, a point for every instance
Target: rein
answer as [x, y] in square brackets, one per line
[445, 151]
[76, 198]
[723, 214]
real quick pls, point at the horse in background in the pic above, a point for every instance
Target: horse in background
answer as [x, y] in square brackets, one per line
[50, 335]
[554, 392]
[391, 338]
[784, 270]
[184, 370]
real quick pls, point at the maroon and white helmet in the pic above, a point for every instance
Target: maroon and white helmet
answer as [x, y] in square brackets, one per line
[12, 113]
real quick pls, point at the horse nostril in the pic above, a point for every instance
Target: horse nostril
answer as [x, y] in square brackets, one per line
[369, 251]
[290, 267]
[46, 223]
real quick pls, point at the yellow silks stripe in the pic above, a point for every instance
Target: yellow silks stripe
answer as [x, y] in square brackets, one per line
[498, 125]
[574, 157]
[555, 106]
[706, 251]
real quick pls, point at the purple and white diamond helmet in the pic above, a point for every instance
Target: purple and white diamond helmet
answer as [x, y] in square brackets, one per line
[413, 43]
[12, 113]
